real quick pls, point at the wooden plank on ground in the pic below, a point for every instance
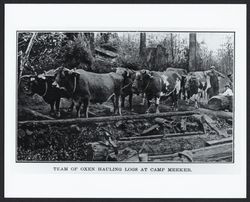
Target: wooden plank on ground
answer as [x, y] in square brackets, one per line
[146, 131]
[170, 135]
[220, 114]
[221, 141]
[37, 114]
[205, 154]
[213, 152]
[104, 119]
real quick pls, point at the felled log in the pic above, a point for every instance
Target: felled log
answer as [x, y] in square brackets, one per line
[105, 53]
[213, 153]
[186, 134]
[205, 154]
[220, 102]
[220, 114]
[212, 124]
[221, 141]
[36, 115]
[152, 128]
[103, 119]
[109, 46]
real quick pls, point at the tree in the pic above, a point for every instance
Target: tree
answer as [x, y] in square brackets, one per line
[192, 52]
[172, 47]
[142, 49]
[226, 56]
[24, 56]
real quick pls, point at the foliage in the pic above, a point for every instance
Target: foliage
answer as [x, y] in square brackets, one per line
[226, 56]
[53, 49]
[222, 59]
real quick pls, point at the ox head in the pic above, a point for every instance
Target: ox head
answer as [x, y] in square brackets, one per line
[66, 79]
[191, 85]
[141, 80]
[128, 75]
[33, 84]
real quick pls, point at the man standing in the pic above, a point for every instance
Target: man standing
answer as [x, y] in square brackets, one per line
[214, 90]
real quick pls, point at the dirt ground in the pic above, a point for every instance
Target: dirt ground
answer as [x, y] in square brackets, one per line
[75, 142]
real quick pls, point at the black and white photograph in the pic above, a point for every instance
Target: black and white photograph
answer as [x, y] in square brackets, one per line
[125, 100]
[125, 96]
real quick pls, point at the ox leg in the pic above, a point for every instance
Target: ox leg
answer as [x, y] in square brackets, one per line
[175, 101]
[123, 101]
[58, 114]
[157, 102]
[143, 99]
[113, 101]
[149, 104]
[118, 104]
[52, 111]
[78, 109]
[130, 102]
[86, 107]
[70, 109]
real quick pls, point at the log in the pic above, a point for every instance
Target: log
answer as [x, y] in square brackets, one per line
[205, 154]
[220, 102]
[37, 114]
[220, 114]
[25, 56]
[221, 141]
[213, 152]
[103, 119]
[152, 128]
[212, 124]
[105, 53]
[161, 136]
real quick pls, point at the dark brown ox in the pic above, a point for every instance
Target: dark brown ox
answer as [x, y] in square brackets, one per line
[42, 85]
[85, 87]
[203, 84]
[196, 86]
[156, 85]
[183, 73]
[129, 77]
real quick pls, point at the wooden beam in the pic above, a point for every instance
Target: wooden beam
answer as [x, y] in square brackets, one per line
[37, 114]
[212, 124]
[104, 119]
[221, 141]
[170, 135]
[220, 114]
[205, 154]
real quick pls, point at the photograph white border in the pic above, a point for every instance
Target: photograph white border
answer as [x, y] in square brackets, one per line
[205, 180]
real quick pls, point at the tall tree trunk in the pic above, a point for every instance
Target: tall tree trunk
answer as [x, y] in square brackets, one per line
[142, 52]
[172, 47]
[24, 57]
[192, 52]
[91, 40]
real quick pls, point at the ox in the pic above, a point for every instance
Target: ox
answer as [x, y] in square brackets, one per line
[202, 84]
[156, 85]
[183, 74]
[42, 85]
[85, 87]
[129, 77]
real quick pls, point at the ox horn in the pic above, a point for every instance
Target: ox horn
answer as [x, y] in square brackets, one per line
[26, 76]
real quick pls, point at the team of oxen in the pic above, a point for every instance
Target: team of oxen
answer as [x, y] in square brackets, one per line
[83, 87]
